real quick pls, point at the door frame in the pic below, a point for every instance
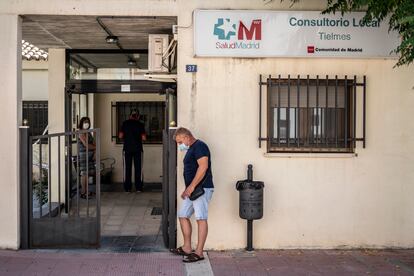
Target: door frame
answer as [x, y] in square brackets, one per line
[169, 212]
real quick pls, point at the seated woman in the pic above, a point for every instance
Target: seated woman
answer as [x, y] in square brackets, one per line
[86, 169]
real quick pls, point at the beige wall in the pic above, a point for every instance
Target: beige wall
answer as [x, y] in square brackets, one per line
[34, 80]
[91, 7]
[314, 202]
[317, 202]
[11, 95]
[152, 169]
[309, 202]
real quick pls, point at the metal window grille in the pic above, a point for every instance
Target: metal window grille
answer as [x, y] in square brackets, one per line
[36, 113]
[313, 114]
[152, 114]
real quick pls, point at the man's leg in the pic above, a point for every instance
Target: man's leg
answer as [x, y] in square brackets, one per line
[201, 215]
[128, 171]
[185, 212]
[137, 166]
[186, 229]
[202, 236]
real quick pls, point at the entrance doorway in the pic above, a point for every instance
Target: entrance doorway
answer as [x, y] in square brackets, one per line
[138, 219]
[141, 220]
[104, 82]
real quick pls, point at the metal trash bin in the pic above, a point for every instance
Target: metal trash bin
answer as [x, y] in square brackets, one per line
[250, 202]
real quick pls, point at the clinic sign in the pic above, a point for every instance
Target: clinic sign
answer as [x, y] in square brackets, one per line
[231, 33]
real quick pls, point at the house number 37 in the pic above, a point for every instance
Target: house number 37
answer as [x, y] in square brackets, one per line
[191, 68]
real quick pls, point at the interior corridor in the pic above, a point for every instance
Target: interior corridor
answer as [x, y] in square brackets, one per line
[129, 214]
[131, 222]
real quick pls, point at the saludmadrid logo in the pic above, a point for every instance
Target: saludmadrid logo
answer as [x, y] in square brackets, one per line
[237, 35]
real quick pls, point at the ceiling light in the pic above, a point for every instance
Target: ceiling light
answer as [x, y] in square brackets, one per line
[111, 39]
[132, 62]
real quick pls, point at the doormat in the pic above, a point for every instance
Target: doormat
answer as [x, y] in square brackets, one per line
[156, 211]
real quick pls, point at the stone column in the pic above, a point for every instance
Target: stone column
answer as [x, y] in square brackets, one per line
[56, 120]
[11, 94]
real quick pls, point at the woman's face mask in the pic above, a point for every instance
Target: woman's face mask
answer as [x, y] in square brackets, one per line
[85, 125]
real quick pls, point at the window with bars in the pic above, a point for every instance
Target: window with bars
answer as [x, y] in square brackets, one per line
[313, 114]
[152, 114]
[36, 113]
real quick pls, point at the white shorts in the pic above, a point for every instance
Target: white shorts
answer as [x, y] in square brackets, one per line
[199, 206]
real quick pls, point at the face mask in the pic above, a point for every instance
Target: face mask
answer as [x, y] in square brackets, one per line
[183, 147]
[85, 125]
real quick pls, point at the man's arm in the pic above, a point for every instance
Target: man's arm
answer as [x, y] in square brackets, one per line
[121, 132]
[143, 134]
[201, 172]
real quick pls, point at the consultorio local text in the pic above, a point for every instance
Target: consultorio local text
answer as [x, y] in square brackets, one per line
[326, 22]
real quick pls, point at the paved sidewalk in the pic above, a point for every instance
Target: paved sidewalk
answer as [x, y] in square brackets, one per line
[84, 262]
[313, 262]
[262, 262]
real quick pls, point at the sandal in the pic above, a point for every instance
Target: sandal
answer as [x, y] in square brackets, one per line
[179, 251]
[90, 194]
[192, 258]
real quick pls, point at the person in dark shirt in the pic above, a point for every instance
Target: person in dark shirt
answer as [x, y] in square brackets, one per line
[133, 133]
[197, 171]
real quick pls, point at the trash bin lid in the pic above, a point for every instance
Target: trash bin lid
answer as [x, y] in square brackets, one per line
[246, 184]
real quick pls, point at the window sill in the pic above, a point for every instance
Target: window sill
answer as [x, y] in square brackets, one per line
[309, 155]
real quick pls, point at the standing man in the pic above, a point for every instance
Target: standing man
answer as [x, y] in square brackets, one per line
[197, 171]
[133, 133]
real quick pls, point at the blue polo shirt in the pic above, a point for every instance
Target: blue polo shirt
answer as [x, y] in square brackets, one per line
[196, 151]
